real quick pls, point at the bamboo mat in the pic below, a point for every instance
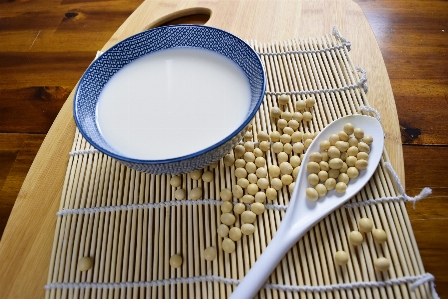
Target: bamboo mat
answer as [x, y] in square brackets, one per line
[130, 224]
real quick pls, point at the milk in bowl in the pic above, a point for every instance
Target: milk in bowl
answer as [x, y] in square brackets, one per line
[172, 103]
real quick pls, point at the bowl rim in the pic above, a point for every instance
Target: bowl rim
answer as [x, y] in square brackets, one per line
[184, 157]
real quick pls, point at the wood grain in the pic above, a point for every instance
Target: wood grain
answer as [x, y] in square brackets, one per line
[46, 45]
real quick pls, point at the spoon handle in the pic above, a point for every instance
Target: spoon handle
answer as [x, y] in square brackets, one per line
[256, 277]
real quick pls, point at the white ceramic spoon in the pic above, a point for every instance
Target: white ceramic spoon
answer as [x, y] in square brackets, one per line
[302, 214]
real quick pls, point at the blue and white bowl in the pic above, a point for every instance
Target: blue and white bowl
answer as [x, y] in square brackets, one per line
[136, 46]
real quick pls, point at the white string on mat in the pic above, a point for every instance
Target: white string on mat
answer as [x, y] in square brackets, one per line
[84, 152]
[415, 281]
[361, 83]
[402, 197]
[371, 110]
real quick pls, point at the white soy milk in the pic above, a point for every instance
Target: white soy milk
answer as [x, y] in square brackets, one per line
[172, 103]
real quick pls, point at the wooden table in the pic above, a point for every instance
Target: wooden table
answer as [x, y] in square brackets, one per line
[46, 46]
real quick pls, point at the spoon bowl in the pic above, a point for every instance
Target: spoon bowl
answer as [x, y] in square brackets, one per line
[302, 214]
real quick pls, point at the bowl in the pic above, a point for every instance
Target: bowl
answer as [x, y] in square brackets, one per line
[103, 69]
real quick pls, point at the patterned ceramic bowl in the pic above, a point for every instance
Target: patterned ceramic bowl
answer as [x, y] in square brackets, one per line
[136, 46]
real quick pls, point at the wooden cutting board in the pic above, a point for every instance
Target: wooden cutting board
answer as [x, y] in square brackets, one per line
[26, 244]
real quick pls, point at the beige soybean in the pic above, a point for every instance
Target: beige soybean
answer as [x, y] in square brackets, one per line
[321, 190]
[247, 229]
[275, 112]
[276, 183]
[343, 156]
[225, 194]
[261, 172]
[361, 164]
[209, 253]
[264, 146]
[271, 194]
[309, 102]
[324, 166]
[313, 179]
[85, 263]
[342, 146]
[275, 136]
[286, 115]
[228, 245]
[381, 264]
[239, 208]
[333, 139]
[344, 167]
[295, 172]
[180, 194]
[287, 179]
[287, 148]
[293, 124]
[260, 196]
[315, 157]
[285, 138]
[249, 157]
[341, 187]
[248, 136]
[343, 177]
[207, 176]
[248, 217]
[252, 189]
[228, 160]
[379, 235]
[298, 148]
[223, 230]
[355, 238]
[263, 136]
[341, 258]
[263, 183]
[251, 167]
[351, 161]
[324, 145]
[307, 116]
[323, 176]
[175, 261]
[352, 141]
[349, 129]
[283, 99]
[334, 152]
[311, 194]
[240, 163]
[335, 163]
[196, 193]
[282, 157]
[243, 182]
[226, 207]
[289, 131]
[252, 178]
[362, 156]
[313, 167]
[282, 123]
[352, 172]
[241, 172]
[239, 151]
[296, 136]
[343, 136]
[274, 171]
[257, 208]
[297, 116]
[235, 234]
[228, 219]
[291, 187]
[175, 181]
[359, 133]
[260, 162]
[249, 146]
[365, 225]
[286, 168]
[258, 153]
[248, 199]
[295, 161]
[325, 156]
[277, 147]
[367, 139]
[308, 135]
[196, 174]
[333, 173]
[364, 147]
[352, 151]
[330, 184]
[237, 191]
[300, 105]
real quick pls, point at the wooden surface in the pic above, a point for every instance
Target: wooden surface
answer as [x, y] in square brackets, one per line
[46, 45]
